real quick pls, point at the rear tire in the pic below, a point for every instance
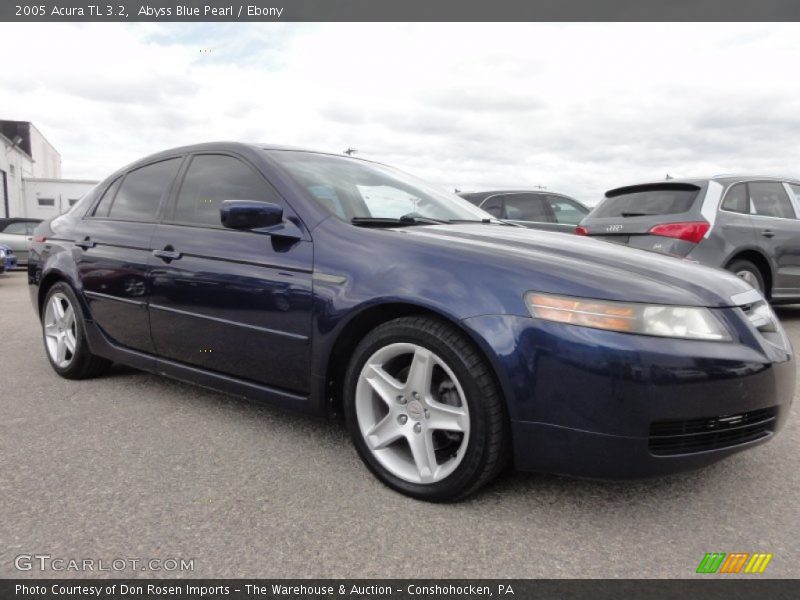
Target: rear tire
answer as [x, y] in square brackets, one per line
[64, 335]
[750, 273]
[424, 411]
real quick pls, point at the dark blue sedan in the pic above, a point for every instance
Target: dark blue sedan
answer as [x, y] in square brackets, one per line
[454, 345]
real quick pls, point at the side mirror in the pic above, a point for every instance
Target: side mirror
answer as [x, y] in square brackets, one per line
[249, 214]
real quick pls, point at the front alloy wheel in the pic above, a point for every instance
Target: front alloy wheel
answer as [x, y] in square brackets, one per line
[424, 411]
[412, 413]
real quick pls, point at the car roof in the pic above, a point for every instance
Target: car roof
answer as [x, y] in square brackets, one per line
[725, 180]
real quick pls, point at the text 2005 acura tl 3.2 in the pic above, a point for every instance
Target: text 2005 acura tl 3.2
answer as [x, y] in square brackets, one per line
[453, 343]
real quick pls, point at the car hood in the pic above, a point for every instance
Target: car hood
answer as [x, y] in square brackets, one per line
[568, 264]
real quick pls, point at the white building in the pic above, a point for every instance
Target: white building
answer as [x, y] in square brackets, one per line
[30, 174]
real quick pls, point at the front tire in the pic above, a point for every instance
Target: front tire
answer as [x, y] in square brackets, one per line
[64, 334]
[424, 411]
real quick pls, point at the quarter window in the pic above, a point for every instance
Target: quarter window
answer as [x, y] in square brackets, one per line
[101, 210]
[212, 178]
[736, 199]
[142, 190]
[769, 199]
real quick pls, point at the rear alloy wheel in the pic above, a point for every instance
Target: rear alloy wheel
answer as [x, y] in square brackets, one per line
[424, 411]
[63, 329]
[748, 272]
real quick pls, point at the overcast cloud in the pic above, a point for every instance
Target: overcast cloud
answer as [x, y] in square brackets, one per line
[578, 108]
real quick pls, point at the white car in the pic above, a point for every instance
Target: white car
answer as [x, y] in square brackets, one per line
[16, 234]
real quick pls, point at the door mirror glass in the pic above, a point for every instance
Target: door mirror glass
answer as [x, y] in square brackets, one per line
[250, 214]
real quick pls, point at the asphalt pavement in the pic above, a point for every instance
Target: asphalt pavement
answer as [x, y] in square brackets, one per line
[135, 466]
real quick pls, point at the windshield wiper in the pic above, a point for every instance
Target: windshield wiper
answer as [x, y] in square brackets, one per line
[486, 222]
[404, 221]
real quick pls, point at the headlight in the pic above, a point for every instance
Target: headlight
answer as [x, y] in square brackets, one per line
[687, 322]
[2, 253]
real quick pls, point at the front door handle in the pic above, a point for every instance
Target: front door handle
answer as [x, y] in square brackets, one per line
[167, 254]
[768, 233]
[86, 243]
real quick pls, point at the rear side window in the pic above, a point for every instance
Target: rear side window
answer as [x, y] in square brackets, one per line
[212, 178]
[19, 228]
[527, 207]
[769, 199]
[736, 199]
[142, 190]
[641, 201]
[566, 211]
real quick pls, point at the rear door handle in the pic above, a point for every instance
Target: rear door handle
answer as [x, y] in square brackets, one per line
[768, 233]
[167, 254]
[86, 243]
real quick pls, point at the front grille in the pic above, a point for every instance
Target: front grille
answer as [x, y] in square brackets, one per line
[710, 433]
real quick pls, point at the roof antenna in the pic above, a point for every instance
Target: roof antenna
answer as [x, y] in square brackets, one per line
[350, 151]
[668, 177]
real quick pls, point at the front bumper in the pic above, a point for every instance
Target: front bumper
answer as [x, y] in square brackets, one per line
[595, 403]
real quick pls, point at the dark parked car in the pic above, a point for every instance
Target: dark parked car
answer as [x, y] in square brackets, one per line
[747, 225]
[16, 233]
[534, 209]
[453, 344]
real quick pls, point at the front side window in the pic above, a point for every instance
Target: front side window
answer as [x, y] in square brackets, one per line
[736, 199]
[528, 207]
[769, 199]
[565, 211]
[212, 178]
[142, 190]
[350, 188]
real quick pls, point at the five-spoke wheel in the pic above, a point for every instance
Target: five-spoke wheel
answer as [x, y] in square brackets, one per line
[424, 410]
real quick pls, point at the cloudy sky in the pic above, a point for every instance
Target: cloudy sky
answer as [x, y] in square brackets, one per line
[578, 108]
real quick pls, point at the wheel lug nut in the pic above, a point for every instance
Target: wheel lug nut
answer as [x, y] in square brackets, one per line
[416, 395]
[417, 427]
[427, 413]
[402, 419]
[401, 399]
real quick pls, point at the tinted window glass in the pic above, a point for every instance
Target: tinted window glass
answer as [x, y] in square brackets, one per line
[494, 206]
[527, 207]
[736, 199]
[212, 178]
[666, 200]
[566, 211]
[101, 210]
[141, 191]
[769, 199]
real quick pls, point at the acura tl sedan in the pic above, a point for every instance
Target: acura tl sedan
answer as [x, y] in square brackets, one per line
[454, 345]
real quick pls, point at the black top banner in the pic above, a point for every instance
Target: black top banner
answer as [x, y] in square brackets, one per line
[400, 10]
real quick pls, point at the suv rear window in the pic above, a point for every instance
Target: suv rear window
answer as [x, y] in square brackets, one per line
[648, 200]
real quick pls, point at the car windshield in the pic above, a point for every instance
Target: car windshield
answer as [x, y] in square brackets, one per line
[355, 189]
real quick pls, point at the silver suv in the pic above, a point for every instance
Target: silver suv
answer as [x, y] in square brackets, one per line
[747, 225]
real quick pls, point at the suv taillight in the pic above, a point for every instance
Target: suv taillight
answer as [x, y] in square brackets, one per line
[581, 230]
[692, 231]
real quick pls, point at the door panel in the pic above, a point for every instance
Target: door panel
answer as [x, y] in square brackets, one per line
[112, 266]
[235, 302]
